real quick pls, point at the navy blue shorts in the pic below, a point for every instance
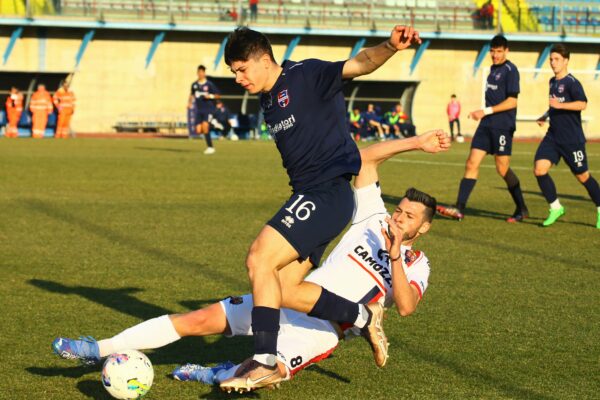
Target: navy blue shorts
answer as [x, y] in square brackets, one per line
[493, 141]
[312, 218]
[573, 154]
[203, 116]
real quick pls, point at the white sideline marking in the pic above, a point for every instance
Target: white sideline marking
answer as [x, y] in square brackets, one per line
[455, 164]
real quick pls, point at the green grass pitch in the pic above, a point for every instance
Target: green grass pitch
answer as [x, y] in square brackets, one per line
[97, 235]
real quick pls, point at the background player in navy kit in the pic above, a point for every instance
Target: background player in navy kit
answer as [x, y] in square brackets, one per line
[203, 95]
[565, 136]
[495, 132]
[305, 112]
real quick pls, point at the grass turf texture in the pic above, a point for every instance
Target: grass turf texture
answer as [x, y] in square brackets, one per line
[97, 235]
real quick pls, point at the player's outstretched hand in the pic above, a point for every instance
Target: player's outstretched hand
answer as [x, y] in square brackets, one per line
[434, 141]
[476, 115]
[393, 238]
[403, 36]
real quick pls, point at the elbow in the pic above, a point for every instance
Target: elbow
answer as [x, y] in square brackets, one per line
[405, 311]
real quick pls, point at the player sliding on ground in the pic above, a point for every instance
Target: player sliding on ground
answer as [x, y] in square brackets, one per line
[565, 137]
[367, 266]
[304, 109]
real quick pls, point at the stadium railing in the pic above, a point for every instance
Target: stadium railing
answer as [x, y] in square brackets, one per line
[579, 16]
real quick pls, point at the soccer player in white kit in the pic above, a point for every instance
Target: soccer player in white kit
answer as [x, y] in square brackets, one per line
[373, 262]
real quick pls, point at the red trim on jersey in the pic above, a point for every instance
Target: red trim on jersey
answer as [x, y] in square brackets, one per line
[312, 361]
[415, 284]
[368, 272]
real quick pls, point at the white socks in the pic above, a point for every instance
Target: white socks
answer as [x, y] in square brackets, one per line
[266, 359]
[363, 316]
[151, 334]
[555, 205]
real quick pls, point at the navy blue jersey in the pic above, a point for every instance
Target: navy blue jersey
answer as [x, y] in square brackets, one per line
[502, 82]
[199, 91]
[565, 125]
[306, 115]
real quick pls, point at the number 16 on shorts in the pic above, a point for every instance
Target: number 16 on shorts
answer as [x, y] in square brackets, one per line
[300, 209]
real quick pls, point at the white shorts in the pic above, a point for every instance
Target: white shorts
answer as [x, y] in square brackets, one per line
[302, 340]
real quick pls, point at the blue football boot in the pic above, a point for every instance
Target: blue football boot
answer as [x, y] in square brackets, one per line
[85, 349]
[195, 372]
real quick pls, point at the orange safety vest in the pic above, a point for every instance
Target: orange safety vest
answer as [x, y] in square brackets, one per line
[64, 100]
[14, 102]
[41, 101]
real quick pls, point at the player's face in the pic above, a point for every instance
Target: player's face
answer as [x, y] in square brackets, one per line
[410, 217]
[201, 74]
[558, 63]
[252, 74]
[498, 54]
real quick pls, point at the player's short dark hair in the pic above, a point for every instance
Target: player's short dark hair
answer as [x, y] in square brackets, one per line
[453, 95]
[499, 41]
[201, 67]
[561, 49]
[428, 201]
[244, 43]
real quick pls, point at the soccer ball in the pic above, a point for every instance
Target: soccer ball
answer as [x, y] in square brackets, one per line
[127, 374]
[460, 139]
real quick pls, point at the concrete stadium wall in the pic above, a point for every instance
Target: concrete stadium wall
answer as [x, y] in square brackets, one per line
[112, 79]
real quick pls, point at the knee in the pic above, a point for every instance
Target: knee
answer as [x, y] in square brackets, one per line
[189, 324]
[540, 169]
[582, 178]
[471, 165]
[256, 263]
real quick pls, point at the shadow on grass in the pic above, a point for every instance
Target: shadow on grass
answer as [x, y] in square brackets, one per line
[330, 374]
[61, 215]
[93, 389]
[560, 195]
[76, 371]
[511, 390]
[166, 149]
[120, 300]
[217, 393]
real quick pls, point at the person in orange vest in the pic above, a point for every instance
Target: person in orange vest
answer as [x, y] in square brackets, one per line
[40, 107]
[64, 101]
[14, 108]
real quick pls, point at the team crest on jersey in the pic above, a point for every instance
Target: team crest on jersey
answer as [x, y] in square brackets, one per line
[409, 257]
[205, 88]
[498, 76]
[561, 88]
[283, 99]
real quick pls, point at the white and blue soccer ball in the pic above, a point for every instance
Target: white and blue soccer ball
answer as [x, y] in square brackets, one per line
[127, 374]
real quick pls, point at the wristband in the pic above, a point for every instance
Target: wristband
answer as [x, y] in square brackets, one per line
[390, 47]
[488, 111]
[397, 258]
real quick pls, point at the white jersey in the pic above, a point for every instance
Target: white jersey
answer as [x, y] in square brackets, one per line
[359, 268]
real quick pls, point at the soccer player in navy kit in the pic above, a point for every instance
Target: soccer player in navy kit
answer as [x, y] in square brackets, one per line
[202, 97]
[495, 132]
[565, 135]
[305, 112]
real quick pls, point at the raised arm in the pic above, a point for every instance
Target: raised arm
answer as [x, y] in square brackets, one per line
[372, 156]
[507, 104]
[406, 296]
[374, 57]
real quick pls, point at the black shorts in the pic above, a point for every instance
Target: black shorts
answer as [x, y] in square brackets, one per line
[203, 116]
[493, 141]
[573, 154]
[312, 218]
